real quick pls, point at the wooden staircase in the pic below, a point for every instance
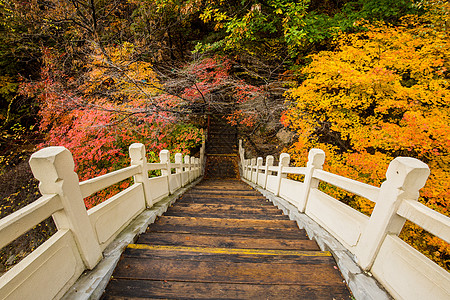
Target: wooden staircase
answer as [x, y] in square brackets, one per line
[223, 240]
[221, 149]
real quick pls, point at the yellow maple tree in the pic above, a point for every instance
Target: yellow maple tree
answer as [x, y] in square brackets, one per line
[383, 92]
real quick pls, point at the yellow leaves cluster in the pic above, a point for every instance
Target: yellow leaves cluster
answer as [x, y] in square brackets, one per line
[382, 93]
[116, 68]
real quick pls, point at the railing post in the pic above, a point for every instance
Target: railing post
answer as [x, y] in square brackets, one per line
[199, 171]
[259, 163]
[248, 174]
[269, 163]
[54, 168]
[284, 162]
[179, 170]
[139, 158]
[202, 156]
[192, 172]
[188, 167]
[241, 154]
[316, 159]
[164, 158]
[404, 178]
[253, 166]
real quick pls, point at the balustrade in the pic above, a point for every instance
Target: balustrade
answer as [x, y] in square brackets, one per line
[50, 270]
[373, 241]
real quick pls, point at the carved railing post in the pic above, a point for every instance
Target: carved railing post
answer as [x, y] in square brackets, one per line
[164, 158]
[139, 158]
[252, 168]
[284, 162]
[316, 159]
[259, 163]
[54, 168]
[199, 170]
[202, 155]
[192, 172]
[404, 178]
[187, 168]
[269, 163]
[179, 169]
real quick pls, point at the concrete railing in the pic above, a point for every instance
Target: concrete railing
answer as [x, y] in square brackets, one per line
[373, 241]
[50, 270]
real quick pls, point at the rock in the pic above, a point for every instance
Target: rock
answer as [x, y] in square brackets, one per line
[285, 136]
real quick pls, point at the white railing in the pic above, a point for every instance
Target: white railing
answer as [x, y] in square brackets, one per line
[373, 241]
[50, 270]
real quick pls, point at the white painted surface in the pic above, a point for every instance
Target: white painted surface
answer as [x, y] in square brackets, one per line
[159, 188]
[91, 186]
[291, 190]
[19, 222]
[361, 189]
[272, 182]
[110, 217]
[408, 274]
[46, 273]
[425, 217]
[342, 221]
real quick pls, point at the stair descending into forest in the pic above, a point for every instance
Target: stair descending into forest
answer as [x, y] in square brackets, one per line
[224, 240]
[221, 149]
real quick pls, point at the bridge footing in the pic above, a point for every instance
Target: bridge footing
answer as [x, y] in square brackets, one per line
[361, 283]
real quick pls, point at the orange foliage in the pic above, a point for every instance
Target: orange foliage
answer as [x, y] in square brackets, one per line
[118, 104]
[382, 93]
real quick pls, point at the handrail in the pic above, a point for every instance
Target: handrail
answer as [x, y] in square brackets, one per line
[83, 235]
[93, 185]
[427, 218]
[155, 166]
[373, 241]
[19, 222]
[294, 170]
[353, 186]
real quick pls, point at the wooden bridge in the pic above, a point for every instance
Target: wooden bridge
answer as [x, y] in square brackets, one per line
[223, 240]
[176, 236]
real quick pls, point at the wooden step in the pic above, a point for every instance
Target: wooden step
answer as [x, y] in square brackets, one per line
[223, 240]
[238, 242]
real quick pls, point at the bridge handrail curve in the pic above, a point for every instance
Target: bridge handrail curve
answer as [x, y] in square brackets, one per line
[83, 234]
[373, 241]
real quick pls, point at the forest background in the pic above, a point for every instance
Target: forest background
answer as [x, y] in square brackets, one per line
[366, 81]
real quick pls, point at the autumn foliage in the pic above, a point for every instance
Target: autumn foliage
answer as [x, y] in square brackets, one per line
[98, 121]
[384, 92]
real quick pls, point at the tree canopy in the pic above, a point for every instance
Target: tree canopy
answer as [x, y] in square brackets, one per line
[365, 80]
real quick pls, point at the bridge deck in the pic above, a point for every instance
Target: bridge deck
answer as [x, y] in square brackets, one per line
[224, 240]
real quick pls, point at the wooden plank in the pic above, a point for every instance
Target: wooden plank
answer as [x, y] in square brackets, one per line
[239, 242]
[258, 202]
[228, 257]
[227, 208]
[224, 271]
[198, 252]
[224, 192]
[186, 221]
[175, 213]
[138, 289]
[219, 196]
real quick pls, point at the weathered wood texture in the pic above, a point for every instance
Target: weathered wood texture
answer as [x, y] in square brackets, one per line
[223, 240]
[221, 148]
